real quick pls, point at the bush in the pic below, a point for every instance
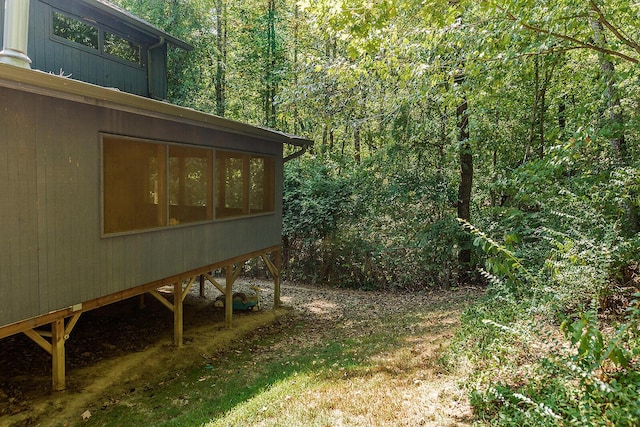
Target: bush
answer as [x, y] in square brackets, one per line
[524, 371]
[371, 228]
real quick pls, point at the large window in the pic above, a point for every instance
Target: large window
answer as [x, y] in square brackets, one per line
[133, 185]
[150, 185]
[262, 182]
[244, 184]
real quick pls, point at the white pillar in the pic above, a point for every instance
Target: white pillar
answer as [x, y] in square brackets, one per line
[16, 33]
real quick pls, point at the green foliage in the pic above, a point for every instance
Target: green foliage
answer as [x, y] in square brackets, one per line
[373, 227]
[550, 95]
[596, 383]
[315, 199]
[593, 383]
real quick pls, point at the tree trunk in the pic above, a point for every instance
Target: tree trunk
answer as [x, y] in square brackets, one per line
[270, 68]
[296, 19]
[534, 110]
[221, 40]
[356, 143]
[465, 186]
[616, 123]
[562, 118]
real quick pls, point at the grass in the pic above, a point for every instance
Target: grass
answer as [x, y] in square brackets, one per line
[361, 368]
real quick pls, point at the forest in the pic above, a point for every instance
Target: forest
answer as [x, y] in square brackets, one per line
[457, 143]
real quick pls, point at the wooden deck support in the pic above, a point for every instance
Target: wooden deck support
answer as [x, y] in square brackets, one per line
[53, 341]
[231, 274]
[55, 347]
[202, 294]
[179, 294]
[58, 354]
[274, 269]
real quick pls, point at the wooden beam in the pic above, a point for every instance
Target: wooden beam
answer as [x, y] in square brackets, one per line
[38, 339]
[214, 282]
[57, 353]
[272, 268]
[236, 271]
[276, 279]
[187, 288]
[162, 299]
[71, 324]
[141, 304]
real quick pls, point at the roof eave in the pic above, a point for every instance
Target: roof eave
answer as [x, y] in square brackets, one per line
[138, 23]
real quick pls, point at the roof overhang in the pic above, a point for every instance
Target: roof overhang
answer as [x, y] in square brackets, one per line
[126, 18]
[137, 22]
[65, 88]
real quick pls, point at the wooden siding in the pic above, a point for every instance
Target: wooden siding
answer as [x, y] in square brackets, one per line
[54, 55]
[53, 255]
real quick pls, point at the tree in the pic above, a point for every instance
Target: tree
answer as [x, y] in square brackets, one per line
[221, 59]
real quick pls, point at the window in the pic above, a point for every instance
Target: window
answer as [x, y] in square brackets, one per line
[92, 35]
[75, 30]
[133, 185]
[124, 49]
[149, 185]
[230, 186]
[245, 184]
[262, 184]
[190, 184]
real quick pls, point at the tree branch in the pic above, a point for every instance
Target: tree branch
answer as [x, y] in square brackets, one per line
[565, 37]
[616, 32]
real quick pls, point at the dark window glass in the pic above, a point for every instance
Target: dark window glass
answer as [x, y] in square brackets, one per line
[74, 30]
[245, 184]
[122, 48]
[231, 184]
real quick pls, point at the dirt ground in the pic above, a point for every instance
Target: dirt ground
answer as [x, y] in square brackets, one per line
[122, 347]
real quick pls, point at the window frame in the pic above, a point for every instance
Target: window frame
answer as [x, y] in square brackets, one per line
[100, 50]
[212, 191]
[246, 185]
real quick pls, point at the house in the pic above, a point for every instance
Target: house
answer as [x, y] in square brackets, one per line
[107, 193]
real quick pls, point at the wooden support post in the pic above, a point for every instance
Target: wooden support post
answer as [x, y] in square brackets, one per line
[202, 286]
[228, 295]
[141, 304]
[57, 353]
[274, 269]
[276, 280]
[58, 335]
[177, 314]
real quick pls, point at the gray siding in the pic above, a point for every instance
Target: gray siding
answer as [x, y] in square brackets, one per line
[51, 55]
[18, 216]
[53, 255]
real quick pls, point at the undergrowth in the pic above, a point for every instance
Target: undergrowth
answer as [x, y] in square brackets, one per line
[541, 350]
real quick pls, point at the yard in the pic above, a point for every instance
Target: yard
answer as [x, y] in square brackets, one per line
[332, 357]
